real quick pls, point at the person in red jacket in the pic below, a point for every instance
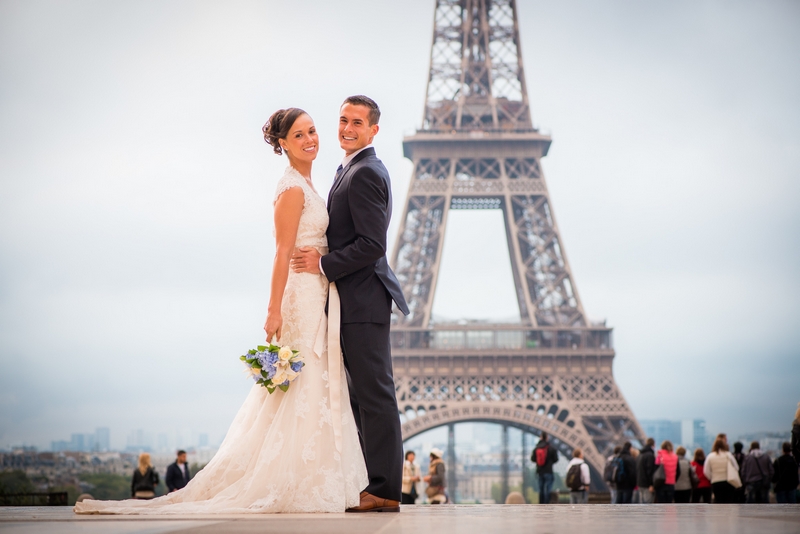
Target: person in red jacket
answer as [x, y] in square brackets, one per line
[703, 490]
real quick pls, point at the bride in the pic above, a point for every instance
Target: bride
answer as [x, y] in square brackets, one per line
[294, 451]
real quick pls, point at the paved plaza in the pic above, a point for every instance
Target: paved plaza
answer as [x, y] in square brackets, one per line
[463, 519]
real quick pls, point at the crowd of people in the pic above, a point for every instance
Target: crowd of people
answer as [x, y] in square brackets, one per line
[667, 475]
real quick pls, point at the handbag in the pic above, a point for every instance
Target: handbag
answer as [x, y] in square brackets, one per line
[660, 476]
[433, 491]
[733, 473]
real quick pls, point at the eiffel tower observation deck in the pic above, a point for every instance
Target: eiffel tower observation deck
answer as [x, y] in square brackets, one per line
[478, 149]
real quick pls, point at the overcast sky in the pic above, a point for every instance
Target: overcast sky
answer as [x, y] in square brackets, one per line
[136, 191]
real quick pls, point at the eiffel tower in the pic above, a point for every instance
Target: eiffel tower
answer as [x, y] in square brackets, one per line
[478, 149]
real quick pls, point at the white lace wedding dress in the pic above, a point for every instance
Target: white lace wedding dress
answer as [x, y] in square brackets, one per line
[285, 452]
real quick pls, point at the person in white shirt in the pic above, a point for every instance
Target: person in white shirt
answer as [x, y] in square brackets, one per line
[411, 479]
[579, 496]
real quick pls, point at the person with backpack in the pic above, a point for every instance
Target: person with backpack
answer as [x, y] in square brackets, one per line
[687, 478]
[544, 456]
[624, 474]
[608, 474]
[645, 468]
[756, 473]
[578, 478]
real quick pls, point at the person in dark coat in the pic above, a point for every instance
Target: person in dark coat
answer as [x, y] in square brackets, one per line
[756, 472]
[785, 477]
[645, 468]
[178, 474]
[739, 455]
[145, 479]
[796, 435]
[627, 480]
[544, 456]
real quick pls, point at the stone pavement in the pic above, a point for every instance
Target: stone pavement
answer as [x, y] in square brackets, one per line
[463, 519]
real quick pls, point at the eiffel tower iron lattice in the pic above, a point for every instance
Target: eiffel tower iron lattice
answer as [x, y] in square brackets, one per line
[478, 149]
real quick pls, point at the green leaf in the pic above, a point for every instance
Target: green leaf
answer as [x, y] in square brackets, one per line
[255, 365]
[251, 351]
[271, 389]
[274, 348]
[243, 358]
[264, 373]
[261, 348]
[283, 388]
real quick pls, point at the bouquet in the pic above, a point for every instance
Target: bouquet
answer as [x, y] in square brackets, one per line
[273, 366]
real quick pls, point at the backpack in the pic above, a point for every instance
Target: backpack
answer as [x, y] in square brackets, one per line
[618, 469]
[574, 482]
[541, 455]
[608, 470]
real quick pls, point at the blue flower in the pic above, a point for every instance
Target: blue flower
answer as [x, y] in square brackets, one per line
[296, 366]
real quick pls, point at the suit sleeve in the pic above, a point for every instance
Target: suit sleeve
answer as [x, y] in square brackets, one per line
[368, 197]
[169, 479]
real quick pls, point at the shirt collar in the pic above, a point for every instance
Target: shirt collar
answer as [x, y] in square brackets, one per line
[347, 159]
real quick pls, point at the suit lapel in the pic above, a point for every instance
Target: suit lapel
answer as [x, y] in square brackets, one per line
[361, 155]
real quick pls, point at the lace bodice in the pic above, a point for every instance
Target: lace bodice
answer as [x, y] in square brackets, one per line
[314, 220]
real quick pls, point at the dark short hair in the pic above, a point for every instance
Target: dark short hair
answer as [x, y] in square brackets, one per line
[755, 445]
[617, 449]
[361, 100]
[278, 125]
[544, 436]
[181, 452]
[626, 448]
[410, 452]
[650, 442]
[738, 446]
[787, 447]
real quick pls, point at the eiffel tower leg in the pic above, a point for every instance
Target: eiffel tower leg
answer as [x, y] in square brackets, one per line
[504, 467]
[452, 465]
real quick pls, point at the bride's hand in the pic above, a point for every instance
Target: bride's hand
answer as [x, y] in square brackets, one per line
[273, 326]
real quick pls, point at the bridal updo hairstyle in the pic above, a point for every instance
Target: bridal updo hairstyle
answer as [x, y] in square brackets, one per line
[278, 126]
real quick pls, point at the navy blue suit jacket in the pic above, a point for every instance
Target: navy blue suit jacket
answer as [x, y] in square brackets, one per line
[360, 208]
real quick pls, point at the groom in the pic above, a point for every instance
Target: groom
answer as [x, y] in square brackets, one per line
[360, 207]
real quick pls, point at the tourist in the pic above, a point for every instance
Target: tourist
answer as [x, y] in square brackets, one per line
[716, 468]
[667, 458]
[145, 479]
[785, 477]
[411, 476]
[436, 478]
[796, 435]
[625, 476]
[635, 495]
[739, 456]
[177, 473]
[544, 456]
[757, 474]
[701, 492]
[686, 480]
[608, 474]
[645, 467]
[578, 478]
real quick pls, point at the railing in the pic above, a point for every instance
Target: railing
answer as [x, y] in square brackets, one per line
[55, 498]
[500, 337]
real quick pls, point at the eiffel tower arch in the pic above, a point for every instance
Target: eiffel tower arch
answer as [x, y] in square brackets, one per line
[478, 149]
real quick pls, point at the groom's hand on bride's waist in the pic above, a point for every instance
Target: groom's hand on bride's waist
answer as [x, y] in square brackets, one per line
[306, 260]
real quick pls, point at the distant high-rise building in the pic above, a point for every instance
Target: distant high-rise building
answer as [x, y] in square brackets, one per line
[162, 443]
[202, 440]
[61, 445]
[77, 442]
[102, 439]
[661, 430]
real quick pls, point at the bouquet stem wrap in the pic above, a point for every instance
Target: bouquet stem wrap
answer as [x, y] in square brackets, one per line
[334, 358]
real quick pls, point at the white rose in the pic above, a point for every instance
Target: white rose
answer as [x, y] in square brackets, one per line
[285, 354]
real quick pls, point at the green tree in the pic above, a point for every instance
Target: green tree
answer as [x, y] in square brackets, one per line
[106, 486]
[15, 482]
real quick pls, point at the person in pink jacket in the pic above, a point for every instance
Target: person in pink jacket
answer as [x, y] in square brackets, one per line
[667, 458]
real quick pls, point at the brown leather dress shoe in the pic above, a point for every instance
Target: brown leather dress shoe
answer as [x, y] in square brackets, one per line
[371, 503]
